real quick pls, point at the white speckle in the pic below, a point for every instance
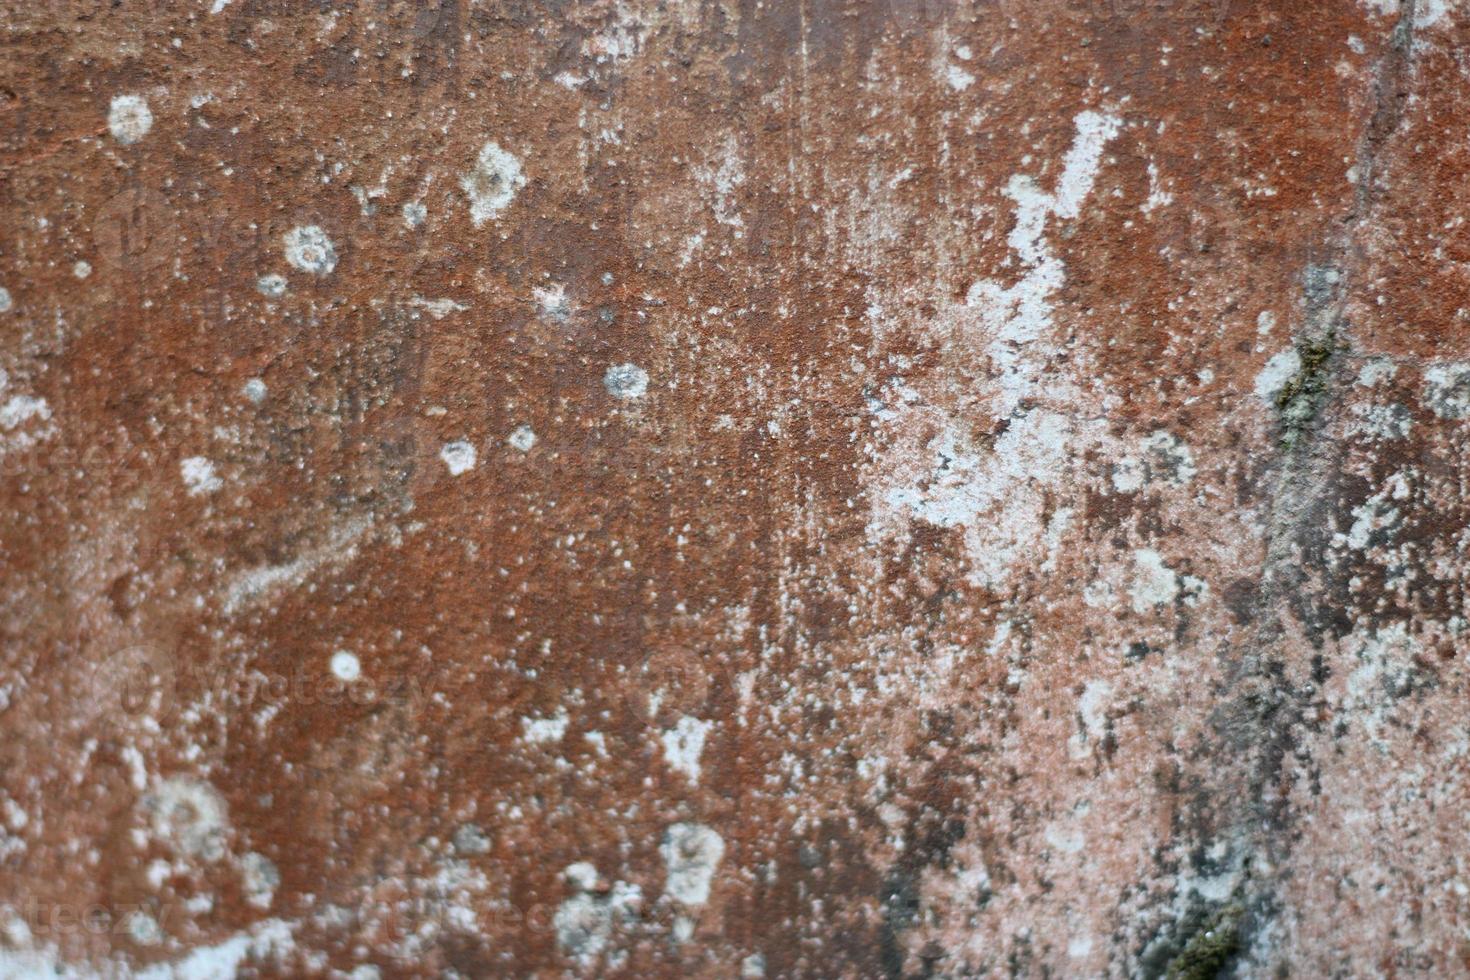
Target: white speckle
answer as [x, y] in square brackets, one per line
[470, 839]
[523, 438]
[625, 381]
[753, 967]
[1079, 946]
[272, 285]
[584, 922]
[6, 303]
[81, 269]
[254, 389]
[541, 730]
[1265, 322]
[691, 852]
[1154, 583]
[492, 183]
[199, 476]
[309, 249]
[128, 118]
[683, 745]
[958, 78]
[218, 6]
[190, 815]
[1280, 369]
[414, 214]
[345, 665]
[459, 456]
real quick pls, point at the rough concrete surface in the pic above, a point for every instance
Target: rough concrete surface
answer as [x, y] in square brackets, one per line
[734, 488]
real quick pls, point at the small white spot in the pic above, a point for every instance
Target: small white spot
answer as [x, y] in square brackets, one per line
[5, 301]
[523, 438]
[345, 665]
[82, 269]
[309, 249]
[199, 476]
[128, 118]
[414, 214]
[459, 456]
[271, 285]
[254, 389]
[625, 381]
[492, 183]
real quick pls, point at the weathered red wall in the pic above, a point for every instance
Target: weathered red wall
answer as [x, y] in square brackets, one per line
[804, 488]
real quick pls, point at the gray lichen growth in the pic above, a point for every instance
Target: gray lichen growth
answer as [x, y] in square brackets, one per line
[1208, 949]
[1301, 397]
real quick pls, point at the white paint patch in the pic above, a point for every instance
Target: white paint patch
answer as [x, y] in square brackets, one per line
[188, 814]
[6, 302]
[81, 269]
[1447, 390]
[345, 665]
[523, 438]
[259, 879]
[309, 249]
[958, 78]
[459, 456]
[199, 476]
[691, 853]
[1427, 13]
[683, 745]
[254, 583]
[492, 183]
[543, 730]
[1154, 583]
[218, 6]
[625, 381]
[438, 308]
[254, 389]
[128, 118]
[414, 214]
[995, 494]
[271, 285]
[20, 409]
[1280, 369]
[584, 921]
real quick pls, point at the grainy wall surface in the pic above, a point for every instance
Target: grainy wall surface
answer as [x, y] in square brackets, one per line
[734, 488]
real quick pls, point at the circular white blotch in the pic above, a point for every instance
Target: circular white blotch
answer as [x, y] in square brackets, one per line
[414, 214]
[271, 285]
[5, 301]
[82, 269]
[346, 666]
[143, 929]
[459, 456]
[309, 249]
[199, 476]
[128, 118]
[254, 389]
[625, 381]
[492, 183]
[523, 438]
